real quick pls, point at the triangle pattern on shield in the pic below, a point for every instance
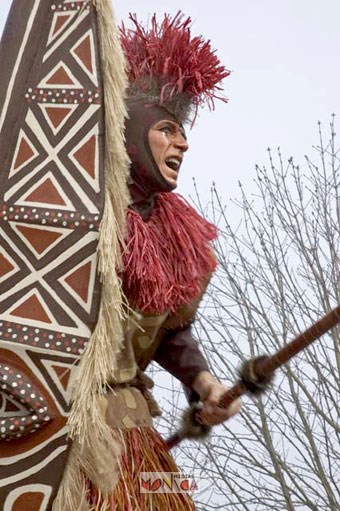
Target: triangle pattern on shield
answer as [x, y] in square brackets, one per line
[61, 374]
[31, 308]
[11, 407]
[8, 266]
[58, 373]
[25, 152]
[84, 53]
[60, 77]
[5, 266]
[59, 22]
[80, 281]
[38, 238]
[85, 156]
[47, 193]
[57, 115]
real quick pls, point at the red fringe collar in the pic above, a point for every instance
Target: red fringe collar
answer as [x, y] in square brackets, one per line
[168, 257]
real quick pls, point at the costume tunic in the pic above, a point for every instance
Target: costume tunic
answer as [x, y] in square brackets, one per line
[163, 336]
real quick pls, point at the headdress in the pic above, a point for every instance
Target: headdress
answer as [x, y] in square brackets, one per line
[170, 67]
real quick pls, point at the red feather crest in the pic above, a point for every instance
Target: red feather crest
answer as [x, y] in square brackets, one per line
[180, 64]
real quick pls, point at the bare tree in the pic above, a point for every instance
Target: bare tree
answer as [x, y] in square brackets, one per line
[279, 271]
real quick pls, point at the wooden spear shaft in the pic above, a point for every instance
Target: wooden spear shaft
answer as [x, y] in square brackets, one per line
[257, 373]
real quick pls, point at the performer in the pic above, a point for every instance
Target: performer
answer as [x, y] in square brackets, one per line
[76, 427]
[168, 259]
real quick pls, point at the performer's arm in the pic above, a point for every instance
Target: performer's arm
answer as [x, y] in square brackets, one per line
[180, 355]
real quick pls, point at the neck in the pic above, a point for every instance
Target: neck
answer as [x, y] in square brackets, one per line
[141, 202]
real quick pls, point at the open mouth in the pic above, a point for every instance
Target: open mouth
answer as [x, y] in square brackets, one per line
[173, 163]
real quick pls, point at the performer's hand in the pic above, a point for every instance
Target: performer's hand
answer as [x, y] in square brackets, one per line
[210, 392]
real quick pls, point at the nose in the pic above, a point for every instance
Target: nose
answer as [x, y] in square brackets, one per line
[181, 142]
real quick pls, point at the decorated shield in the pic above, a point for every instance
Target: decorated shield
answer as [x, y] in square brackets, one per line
[61, 88]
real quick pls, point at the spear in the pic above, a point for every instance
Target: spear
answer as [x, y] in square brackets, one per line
[255, 378]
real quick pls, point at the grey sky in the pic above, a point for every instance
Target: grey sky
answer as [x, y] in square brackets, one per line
[286, 76]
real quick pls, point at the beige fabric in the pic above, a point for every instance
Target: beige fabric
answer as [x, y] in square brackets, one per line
[144, 332]
[129, 402]
[127, 408]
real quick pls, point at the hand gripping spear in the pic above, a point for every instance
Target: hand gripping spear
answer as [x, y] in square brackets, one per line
[255, 377]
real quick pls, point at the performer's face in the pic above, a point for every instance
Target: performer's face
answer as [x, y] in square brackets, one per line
[168, 144]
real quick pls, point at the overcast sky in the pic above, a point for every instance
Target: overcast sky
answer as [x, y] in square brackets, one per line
[284, 57]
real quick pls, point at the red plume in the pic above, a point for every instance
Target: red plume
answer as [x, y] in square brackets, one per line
[180, 63]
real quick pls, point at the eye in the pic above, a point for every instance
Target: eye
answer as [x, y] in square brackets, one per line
[172, 130]
[23, 408]
[166, 129]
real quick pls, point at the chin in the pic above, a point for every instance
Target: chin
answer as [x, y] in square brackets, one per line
[172, 183]
[171, 180]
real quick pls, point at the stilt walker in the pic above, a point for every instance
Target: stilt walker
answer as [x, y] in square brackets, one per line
[168, 258]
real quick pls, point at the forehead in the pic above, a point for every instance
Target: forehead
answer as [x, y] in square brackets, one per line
[168, 122]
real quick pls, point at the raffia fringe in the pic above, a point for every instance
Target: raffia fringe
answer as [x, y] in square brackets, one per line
[150, 454]
[72, 495]
[95, 447]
